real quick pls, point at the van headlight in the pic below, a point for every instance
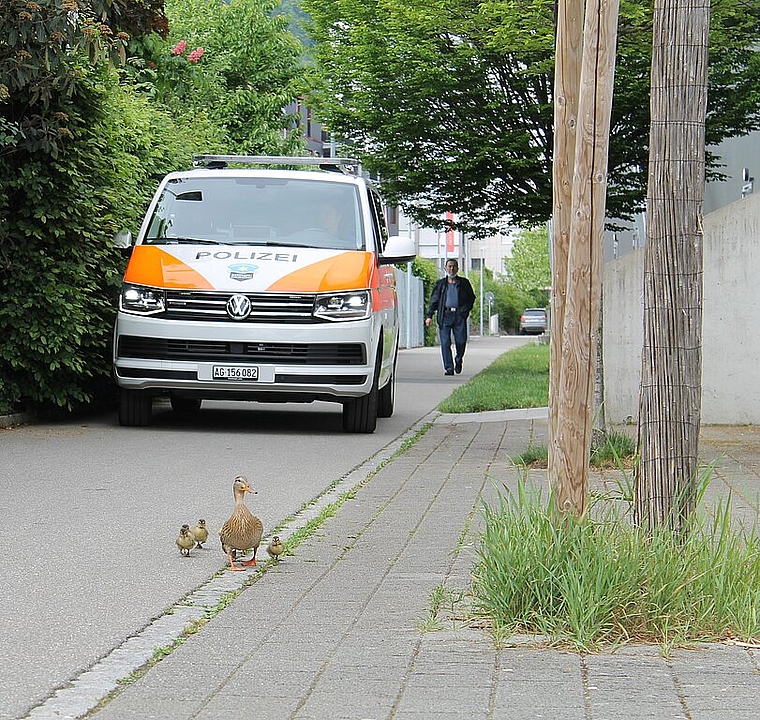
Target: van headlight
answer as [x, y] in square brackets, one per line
[343, 306]
[141, 299]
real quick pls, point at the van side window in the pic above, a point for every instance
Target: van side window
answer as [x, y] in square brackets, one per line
[379, 228]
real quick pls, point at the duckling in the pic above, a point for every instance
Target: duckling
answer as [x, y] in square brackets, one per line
[200, 533]
[242, 530]
[185, 540]
[276, 548]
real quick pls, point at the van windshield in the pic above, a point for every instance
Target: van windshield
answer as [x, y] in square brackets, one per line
[252, 210]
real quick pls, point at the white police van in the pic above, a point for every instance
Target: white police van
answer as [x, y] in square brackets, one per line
[252, 280]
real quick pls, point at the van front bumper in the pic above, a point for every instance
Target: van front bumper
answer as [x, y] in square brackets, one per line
[283, 363]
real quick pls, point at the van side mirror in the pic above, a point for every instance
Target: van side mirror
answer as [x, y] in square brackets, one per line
[122, 239]
[398, 248]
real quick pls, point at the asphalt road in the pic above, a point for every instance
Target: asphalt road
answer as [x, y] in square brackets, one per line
[89, 511]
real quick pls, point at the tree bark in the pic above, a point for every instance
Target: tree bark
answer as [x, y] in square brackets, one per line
[671, 370]
[571, 442]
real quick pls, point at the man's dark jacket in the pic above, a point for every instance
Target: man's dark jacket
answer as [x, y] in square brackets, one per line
[438, 298]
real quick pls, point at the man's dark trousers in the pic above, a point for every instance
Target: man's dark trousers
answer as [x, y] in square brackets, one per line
[454, 324]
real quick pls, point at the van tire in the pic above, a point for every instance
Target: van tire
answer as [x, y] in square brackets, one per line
[135, 408]
[386, 401]
[360, 414]
[185, 405]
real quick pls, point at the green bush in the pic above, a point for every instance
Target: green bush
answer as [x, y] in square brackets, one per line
[59, 273]
[58, 283]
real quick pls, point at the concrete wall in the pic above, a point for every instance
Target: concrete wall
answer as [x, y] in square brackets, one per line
[623, 335]
[730, 321]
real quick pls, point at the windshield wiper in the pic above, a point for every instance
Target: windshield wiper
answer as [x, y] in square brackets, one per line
[280, 243]
[185, 241]
[270, 243]
[198, 241]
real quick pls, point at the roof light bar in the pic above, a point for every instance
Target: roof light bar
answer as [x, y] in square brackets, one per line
[346, 165]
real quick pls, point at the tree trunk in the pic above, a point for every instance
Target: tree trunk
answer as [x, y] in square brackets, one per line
[671, 369]
[571, 441]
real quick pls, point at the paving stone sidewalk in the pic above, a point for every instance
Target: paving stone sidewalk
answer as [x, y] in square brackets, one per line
[343, 629]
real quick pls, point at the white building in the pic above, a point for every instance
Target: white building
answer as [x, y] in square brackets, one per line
[440, 245]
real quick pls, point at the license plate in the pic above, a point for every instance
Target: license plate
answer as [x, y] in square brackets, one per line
[235, 372]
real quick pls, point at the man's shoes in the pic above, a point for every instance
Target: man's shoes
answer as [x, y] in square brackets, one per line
[458, 367]
[449, 372]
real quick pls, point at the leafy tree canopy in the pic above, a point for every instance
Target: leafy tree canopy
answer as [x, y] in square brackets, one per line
[528, 268]
[235, 63]
[450, 101]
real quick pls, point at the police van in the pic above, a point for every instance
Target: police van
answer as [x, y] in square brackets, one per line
[266, 279]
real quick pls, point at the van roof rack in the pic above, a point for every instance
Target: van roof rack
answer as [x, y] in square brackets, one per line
[345, 165]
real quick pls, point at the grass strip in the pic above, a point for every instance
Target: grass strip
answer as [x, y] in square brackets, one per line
[517, 379]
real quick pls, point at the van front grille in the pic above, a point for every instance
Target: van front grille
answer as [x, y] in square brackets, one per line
[132, 346]
[265, 307]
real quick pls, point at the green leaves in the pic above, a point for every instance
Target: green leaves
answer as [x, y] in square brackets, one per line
[528, 268]
[435, 109]
[250, 70]
[451, 102]
[40, 65]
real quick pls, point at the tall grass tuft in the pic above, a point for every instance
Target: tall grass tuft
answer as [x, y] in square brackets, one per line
[601, 582]
[616, 450]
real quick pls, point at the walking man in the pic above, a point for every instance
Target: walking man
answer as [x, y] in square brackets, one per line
[452, 300]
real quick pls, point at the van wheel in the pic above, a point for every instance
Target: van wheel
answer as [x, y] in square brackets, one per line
[185, 405]
[135, 408]
[360, 414]
[386, 400]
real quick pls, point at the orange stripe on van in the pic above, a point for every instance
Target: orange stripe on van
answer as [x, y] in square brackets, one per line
[347, 271]
[150, 265]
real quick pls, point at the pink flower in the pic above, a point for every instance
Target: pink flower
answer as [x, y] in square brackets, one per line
[179, 48]
[195, 55]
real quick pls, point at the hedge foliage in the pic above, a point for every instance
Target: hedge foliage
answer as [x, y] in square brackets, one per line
[79, 162]
[59, 273]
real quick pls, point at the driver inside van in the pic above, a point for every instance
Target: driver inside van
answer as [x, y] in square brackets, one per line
[324, 226]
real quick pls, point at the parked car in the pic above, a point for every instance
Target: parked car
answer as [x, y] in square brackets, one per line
[533, 320]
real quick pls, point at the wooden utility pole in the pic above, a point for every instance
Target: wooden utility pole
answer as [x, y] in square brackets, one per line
[571, 435]
[567, 81]
[671, 371]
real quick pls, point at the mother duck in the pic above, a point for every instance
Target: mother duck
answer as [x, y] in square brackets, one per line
[242, 530]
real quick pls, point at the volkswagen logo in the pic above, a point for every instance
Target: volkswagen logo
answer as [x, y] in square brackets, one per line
[239, 307]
